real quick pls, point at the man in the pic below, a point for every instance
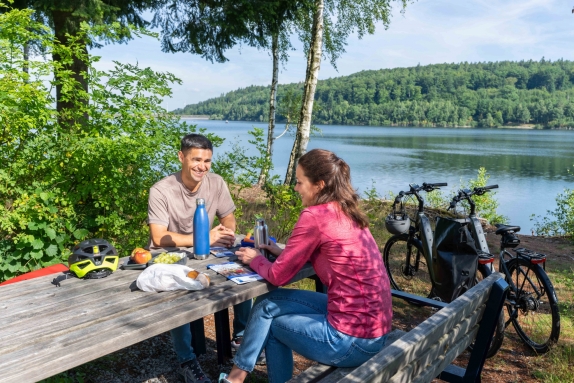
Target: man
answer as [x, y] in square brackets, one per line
[172, 203]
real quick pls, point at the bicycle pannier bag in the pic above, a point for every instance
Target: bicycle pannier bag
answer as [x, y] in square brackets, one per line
[454, 258]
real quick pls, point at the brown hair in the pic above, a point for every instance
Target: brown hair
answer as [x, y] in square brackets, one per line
[323, 165]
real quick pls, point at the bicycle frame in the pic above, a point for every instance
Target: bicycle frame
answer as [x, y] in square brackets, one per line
[424, 239]
[476, 227]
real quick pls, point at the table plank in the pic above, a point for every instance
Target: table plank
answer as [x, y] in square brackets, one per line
[48, 329]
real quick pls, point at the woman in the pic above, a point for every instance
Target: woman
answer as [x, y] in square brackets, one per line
[342, 328]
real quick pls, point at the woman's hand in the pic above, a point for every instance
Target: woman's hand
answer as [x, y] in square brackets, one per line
[247, 254]
[272, 248]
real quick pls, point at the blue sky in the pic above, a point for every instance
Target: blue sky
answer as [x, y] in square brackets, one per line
[429, 32]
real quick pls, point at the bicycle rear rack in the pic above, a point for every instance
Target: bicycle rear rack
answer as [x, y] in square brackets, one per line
[485, 258]
[532, 256]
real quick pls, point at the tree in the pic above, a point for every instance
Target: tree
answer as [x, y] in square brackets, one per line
[342, 18]
[59, 186]
[215, 26]
[65, 17]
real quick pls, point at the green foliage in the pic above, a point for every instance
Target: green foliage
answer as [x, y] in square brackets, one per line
[286, 205]
[560, 221]
[237, 167]
[486, 204]
[478, 94]
[83, 173]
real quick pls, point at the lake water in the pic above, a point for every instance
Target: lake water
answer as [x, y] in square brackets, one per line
[530, 166]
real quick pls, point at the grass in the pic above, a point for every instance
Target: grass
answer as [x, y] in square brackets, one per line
[556, 366]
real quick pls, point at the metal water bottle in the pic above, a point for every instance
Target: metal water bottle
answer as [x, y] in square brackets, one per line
[260, 236]
[200, 231]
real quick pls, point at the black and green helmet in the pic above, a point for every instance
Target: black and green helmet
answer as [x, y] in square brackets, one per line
[93, 258]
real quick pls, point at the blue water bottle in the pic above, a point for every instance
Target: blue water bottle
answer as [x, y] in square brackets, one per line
[200, 231]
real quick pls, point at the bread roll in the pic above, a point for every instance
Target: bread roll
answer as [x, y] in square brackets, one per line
[203, 279]
[192, 274]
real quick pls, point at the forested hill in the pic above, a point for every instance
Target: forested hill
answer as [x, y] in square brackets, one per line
[466, 94]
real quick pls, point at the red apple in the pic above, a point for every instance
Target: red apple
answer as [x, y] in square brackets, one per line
[140, 255]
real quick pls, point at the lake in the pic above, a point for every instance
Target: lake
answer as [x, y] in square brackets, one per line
[530, 166]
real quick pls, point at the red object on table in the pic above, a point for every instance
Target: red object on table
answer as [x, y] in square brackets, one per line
[60, 267]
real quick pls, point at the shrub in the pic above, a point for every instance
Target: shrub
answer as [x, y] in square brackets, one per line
[85, 172]
[560, 221]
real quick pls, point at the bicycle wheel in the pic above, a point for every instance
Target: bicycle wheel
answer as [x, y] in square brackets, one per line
[498, 337]
[412, 277]
[532, 305]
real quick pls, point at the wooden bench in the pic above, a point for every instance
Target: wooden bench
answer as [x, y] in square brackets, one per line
[427, 351]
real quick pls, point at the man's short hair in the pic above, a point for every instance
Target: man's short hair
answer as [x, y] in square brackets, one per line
[196, 141]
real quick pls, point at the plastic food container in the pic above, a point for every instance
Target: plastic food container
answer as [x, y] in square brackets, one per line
[182, 258]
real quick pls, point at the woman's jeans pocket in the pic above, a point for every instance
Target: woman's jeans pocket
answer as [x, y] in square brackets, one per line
[359, 351]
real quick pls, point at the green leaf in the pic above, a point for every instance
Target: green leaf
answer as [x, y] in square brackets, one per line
[37, 243]
[52, 250]
[37, 254]
[51, 233]
[81, 234]
[44, 196]
[32, 226]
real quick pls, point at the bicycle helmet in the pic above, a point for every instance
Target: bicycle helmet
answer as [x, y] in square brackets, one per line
[397, 223]
[93, 258]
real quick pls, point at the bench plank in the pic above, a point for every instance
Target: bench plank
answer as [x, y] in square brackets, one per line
[431, 359]
[313, 373]
[386, 364]
[413, 345]
[318, 372]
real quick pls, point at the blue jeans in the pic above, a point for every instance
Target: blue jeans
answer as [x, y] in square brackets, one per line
[286, 320]
[181, 336]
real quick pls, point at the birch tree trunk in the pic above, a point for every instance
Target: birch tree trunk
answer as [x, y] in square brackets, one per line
[272, 106]
[26, 57]
[313, 66]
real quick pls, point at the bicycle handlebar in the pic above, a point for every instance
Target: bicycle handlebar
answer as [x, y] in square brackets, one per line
[437, 185]
[466, 194]
[415, 189]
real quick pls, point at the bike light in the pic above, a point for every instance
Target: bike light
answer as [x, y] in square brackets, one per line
[537, 261]
[485, 261]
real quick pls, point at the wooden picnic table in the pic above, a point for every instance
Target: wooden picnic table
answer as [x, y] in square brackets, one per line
[46, 329]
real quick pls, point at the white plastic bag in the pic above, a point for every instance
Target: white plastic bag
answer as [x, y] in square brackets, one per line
[167, 277]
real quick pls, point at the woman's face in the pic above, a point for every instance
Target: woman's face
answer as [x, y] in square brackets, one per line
[305, 187]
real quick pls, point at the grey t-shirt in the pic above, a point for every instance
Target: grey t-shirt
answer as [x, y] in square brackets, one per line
[173, 205]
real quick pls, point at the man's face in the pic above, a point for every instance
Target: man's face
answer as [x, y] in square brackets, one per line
[195, 164]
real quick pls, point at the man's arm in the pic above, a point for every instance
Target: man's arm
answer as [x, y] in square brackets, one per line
[161, 237]
[221, 235]
[229, 222]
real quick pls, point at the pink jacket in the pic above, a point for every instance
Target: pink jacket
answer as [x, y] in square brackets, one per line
[347, 260]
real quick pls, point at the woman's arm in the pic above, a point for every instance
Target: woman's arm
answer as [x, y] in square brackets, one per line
[304, 242]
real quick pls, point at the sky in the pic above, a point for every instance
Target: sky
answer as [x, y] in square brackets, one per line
[428, 32]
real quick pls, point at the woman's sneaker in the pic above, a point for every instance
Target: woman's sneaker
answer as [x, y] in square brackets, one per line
[223, 378]
[192, 372]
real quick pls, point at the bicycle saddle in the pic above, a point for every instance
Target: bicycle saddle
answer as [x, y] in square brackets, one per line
[501, 229]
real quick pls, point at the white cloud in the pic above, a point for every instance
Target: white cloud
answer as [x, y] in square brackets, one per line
[430, 31]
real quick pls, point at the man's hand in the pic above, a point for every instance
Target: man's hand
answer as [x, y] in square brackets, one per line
[246, 254]
[220, 236]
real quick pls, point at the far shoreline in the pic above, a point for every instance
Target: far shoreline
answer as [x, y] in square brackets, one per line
[519, 127]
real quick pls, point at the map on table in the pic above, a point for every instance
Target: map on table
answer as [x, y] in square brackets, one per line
[236, 272]
[221, 252]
